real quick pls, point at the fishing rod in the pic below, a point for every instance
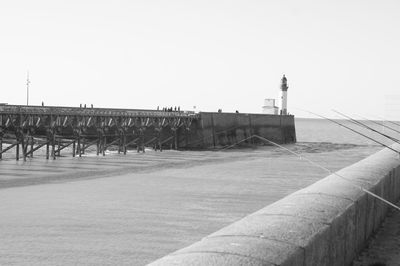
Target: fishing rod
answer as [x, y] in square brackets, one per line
[319, 166]
[370, 128]
[391, 122]
[367, 127]
[330, 172]
[355, 131]
[386, 126]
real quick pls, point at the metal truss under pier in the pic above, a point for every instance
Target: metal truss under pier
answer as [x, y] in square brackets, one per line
[29, 128]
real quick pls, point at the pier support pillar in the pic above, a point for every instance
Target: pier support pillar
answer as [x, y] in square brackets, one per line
[25, 144]
[83, 146]
[17, 152]
[50, 140]
[73, 148]
[104, 145]
[124, 142]
[78, 146]
[175, 130]
[19, 135]
[47, 147]
[98, 142]
[1, 145]
[187, 136]
[140, 145]
[119, 142]
[58, 147]
[158, 141]
[32, 144]
[53, 146]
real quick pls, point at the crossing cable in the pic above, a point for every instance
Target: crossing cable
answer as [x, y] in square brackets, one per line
[319, 166]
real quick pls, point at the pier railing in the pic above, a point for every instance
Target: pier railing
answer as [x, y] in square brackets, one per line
[61, 110]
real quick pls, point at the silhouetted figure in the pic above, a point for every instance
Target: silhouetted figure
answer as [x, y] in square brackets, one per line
[179, 108]
[237, 111]
[175, 109]
[80, 105]
[42, 103]
[91, 106]
[85, 105]
[158, 108]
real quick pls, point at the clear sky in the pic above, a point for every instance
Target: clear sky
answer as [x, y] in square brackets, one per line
[342, 54]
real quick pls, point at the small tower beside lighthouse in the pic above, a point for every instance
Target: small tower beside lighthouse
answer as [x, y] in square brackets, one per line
[284, 88]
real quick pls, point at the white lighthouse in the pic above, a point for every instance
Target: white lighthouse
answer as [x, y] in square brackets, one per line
[284, 88]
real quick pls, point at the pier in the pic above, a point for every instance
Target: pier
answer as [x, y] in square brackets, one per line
[29, 128]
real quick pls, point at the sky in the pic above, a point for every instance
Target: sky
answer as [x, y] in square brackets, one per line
[229, 55]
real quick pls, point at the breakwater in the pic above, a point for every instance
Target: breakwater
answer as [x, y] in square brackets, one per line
[213, 130]
[327, 223]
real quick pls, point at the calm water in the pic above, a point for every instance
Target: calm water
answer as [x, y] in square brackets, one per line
[317, 130]
[131, 210]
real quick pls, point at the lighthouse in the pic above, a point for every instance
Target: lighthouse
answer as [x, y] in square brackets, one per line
[284, 88]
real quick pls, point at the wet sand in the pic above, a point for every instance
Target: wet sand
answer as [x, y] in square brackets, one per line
[131, 210]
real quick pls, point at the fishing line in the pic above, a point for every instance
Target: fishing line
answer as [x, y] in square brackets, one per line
[391, 122]
[367, 127]
[355, 131]
[321, 167]
[383, 125]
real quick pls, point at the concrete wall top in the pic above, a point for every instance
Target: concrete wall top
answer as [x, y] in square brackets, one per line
[226, 119]
[326, 223]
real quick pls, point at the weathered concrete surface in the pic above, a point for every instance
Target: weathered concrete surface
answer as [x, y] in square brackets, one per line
[220, 129]
[328, 221]
[383, 246]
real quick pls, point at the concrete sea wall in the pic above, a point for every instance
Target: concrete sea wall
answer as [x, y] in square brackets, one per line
[327, 223]
[215, 130]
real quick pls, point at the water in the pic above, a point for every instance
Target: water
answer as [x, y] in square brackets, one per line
[131, 210]
[317, 130]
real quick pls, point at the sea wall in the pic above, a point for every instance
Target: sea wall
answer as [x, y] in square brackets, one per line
[214, 130]
[327, 223]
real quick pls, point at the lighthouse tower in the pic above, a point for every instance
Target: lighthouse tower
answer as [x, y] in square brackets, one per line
[284, 88]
